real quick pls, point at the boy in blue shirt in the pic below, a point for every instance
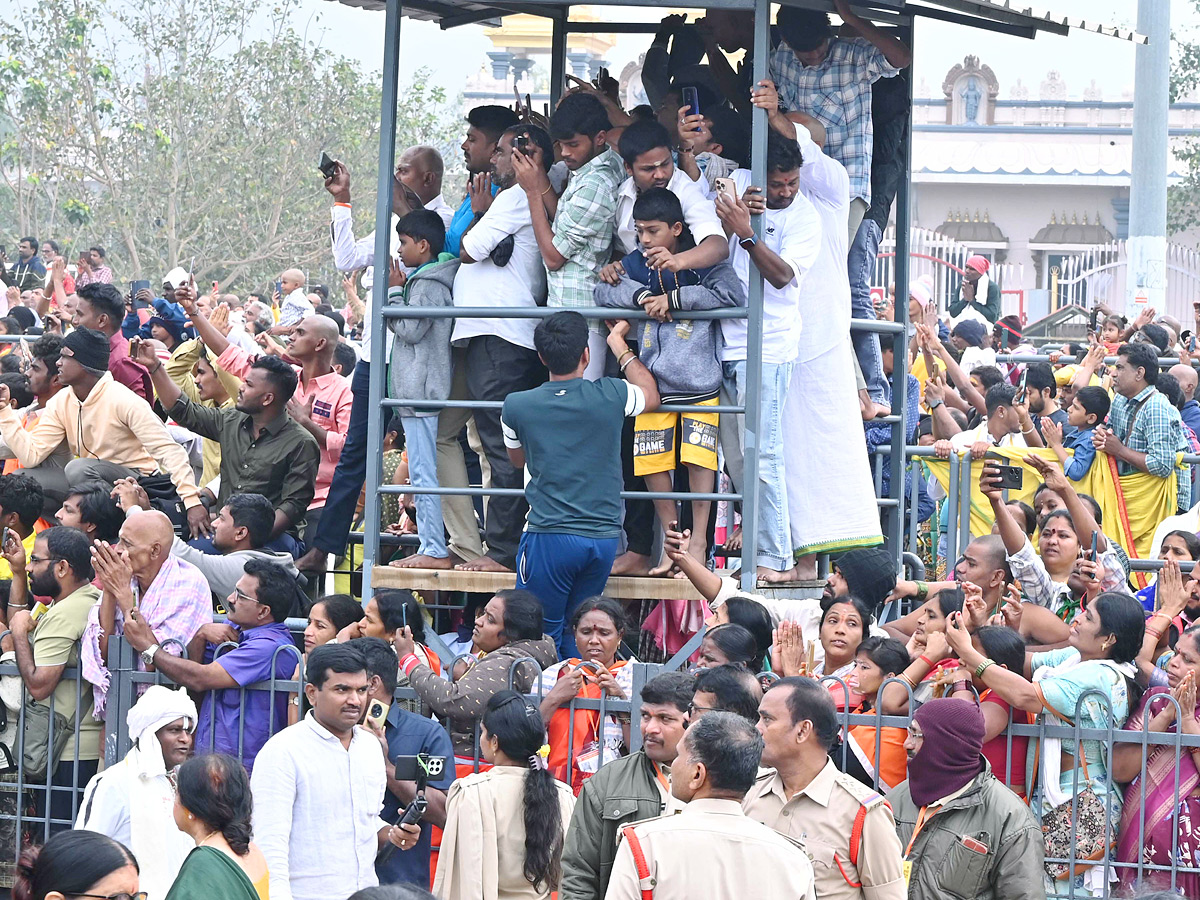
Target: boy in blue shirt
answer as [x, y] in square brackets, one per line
[1087, 410]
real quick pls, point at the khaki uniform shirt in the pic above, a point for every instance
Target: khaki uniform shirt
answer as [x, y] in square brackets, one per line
[821, 818]
[711, 849]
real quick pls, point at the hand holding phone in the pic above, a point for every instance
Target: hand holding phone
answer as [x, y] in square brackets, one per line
[327, 165]
[691, 99]
[726, 186]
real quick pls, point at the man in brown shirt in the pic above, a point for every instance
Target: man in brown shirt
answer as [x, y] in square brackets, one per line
[805, 797]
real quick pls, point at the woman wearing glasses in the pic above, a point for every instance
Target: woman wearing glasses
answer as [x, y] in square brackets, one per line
[77, 864]
[213, 807]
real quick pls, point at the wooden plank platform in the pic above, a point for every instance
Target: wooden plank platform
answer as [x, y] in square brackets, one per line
[619, 588]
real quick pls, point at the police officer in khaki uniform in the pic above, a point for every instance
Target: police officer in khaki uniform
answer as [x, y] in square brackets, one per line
[711, 849]
[846, 828]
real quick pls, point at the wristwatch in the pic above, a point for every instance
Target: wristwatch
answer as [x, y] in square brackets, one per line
[148, 654]
[934, 404]
[747, 244]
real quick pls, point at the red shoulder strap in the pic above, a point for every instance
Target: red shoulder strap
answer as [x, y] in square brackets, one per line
[860, 819]
[639, 861]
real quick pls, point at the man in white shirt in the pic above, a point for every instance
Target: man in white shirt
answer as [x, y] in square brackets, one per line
[502, 266]
[789, 247]
[418, 180]
[318, 787]
[831, 497]
[646, 150]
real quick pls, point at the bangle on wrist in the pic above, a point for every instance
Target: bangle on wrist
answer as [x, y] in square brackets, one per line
[549, 187]
[622, 356]
[983, 667]
[925, 659]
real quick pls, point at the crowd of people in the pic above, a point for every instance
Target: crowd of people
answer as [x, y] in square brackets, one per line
[181, 464]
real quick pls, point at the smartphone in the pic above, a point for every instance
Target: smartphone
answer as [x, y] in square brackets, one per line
[134, 344]
[403, 615]
[214, 292]
[279, 289]
[377, 712]
[136, 286]
[521, 144]
[1011, 477]
[412, 768]
[725, 186]
[327, 165]
[691, 99]
[4, 537]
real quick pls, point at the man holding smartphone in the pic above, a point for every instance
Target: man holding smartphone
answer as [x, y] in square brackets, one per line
[405, 733]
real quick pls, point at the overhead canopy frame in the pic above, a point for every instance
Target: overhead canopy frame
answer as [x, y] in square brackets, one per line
[1002, 16]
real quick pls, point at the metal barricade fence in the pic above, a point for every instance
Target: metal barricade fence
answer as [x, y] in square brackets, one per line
[23, 819]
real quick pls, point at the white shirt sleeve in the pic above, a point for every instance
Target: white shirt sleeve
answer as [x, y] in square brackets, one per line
[349, 254]
[508, 213]
[823, 175]
[273, 786]
[511, 441]
[699, 211]
[635, 402]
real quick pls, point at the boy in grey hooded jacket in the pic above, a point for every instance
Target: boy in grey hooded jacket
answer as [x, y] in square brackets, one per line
[420, 364]
[680, 353]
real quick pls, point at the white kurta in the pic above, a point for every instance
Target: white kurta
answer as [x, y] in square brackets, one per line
[829, 489]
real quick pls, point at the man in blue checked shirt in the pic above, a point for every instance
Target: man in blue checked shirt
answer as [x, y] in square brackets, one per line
[830, 77]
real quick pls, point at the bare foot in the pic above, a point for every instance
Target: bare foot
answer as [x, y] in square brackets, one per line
[734, 541]
[421, 561]
[630, 563]
[666, 567]
[482, 564]
[869, 409]
[770, 576]
[312, 561]
[806, 568]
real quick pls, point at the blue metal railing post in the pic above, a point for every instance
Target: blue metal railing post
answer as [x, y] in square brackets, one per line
[379, 287]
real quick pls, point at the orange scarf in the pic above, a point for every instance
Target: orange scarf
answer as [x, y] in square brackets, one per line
[566, 744]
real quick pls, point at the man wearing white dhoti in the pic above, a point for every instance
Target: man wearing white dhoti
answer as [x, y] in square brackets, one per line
[788, 248]
[829, 492]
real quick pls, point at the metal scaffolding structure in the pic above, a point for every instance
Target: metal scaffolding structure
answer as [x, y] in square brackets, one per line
[990, 15]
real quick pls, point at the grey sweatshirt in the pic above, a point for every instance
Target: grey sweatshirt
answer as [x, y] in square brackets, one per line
[420, 368]
[681, 354]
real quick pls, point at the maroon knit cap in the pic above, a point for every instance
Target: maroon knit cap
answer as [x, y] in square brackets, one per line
[951, 754]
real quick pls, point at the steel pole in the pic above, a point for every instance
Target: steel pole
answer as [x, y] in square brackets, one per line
[379, 286]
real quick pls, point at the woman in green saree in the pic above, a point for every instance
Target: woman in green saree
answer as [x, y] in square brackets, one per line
[213, 806]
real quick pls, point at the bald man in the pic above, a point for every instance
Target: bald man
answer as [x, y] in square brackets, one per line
[171, 596]
[983, 563]
[323, 398]
[293, 301]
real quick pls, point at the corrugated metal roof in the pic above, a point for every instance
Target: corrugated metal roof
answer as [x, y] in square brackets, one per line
[1002, 15]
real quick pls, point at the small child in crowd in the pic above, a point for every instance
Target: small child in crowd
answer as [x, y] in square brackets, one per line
[420, 364]
[1087, 410]
[680, 353]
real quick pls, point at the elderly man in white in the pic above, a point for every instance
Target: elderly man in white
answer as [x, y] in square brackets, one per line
[132, 801]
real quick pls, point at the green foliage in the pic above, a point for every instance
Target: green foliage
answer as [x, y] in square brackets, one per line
[1183, 199]
[162, 132]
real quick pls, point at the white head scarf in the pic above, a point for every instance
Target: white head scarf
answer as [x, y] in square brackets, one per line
[157, 707]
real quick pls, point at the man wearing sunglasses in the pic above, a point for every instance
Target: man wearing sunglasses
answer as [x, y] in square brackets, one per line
[263, 651]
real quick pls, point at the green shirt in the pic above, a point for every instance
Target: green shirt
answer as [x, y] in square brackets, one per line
[56, 639]
[281, 463]
[583, 230]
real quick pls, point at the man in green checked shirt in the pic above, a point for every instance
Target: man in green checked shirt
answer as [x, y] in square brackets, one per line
[574, 231]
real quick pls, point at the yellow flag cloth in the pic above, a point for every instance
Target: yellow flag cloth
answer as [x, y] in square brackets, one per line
[1131, 506]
